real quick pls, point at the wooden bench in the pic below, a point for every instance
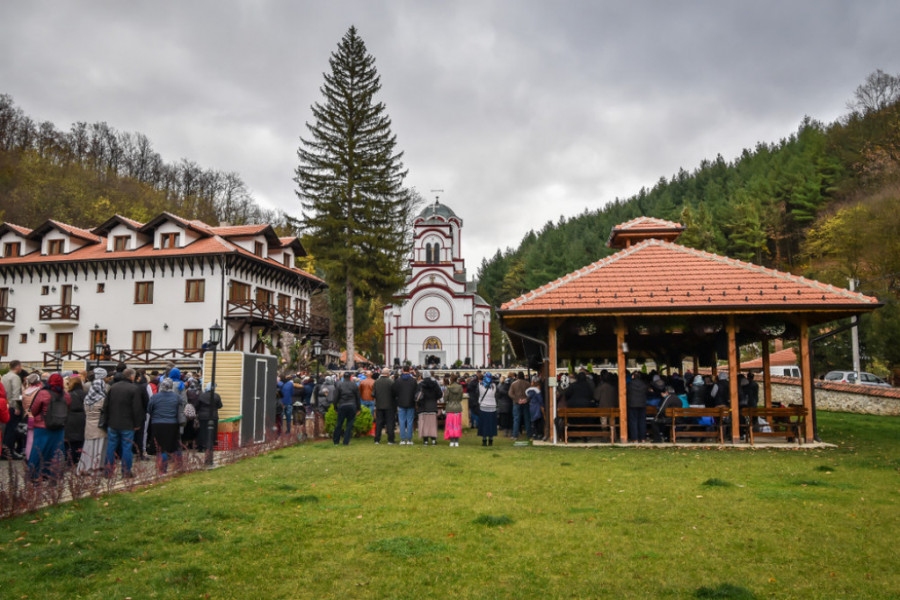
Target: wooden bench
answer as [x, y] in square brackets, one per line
[692, 429]
[787, 422]
[588, 422]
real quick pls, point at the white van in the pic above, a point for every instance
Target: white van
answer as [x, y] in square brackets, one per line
[785, 371]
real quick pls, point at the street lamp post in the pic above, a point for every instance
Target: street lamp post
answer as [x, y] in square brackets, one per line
[317, 352]
[98, 350]
[215, 337]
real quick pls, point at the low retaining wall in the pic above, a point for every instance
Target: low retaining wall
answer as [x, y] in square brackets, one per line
[840, 397]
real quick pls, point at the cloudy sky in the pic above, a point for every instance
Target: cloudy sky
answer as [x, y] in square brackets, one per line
[521, 111]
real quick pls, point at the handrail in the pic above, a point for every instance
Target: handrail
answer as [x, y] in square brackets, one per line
[139, 356]
[282, 314]
[7, 314]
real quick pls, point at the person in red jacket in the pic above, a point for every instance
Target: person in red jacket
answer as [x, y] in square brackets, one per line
[4, 410]
[47, 448]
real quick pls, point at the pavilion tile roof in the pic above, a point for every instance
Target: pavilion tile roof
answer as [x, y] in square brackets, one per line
[788, 356]
[656, 274]
[648, 223]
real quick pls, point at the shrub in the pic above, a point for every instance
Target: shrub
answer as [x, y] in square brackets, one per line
[361, 426]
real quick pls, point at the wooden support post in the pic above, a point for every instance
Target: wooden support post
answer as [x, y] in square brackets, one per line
[806, 378]
[767, 373]
[620, 361]
[715, 366]
[733, 368]
[551, 373]
[696, 360]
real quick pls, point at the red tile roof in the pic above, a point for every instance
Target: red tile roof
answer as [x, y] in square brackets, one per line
[658, 275]
[24, 231]
[70, 229]
[788, 356]
[235, 230]
[643, 228]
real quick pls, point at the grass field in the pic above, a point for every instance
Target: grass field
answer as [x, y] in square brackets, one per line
[470, 522]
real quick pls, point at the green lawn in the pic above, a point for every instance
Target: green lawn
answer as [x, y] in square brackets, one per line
[472, 522]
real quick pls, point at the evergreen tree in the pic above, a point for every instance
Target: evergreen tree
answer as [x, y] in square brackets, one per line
[350, 183]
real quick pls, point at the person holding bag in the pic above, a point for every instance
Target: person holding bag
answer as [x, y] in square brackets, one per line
[165, 410]
[49, 410]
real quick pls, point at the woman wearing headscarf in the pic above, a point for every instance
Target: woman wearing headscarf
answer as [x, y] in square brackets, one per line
[163, 409]
[487, 410]
[189, 433]
[430, 393]
[32, 387]
[47, 447]
[93, 452]
[74, 432]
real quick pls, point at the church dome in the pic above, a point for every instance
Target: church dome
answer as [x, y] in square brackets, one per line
[436, 209]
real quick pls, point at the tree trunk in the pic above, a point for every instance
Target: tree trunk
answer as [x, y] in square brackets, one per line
[351, 341]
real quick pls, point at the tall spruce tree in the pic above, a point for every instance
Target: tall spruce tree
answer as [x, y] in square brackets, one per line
[350, 183]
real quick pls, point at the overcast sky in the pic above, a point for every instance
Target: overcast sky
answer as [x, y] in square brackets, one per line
[521, 111]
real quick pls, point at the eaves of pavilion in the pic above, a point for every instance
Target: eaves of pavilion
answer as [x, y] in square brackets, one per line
[660, 300]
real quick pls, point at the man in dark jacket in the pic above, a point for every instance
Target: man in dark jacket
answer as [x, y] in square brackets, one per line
[347, 402]
[636, 392]
[385, 406]
[404, 392]
[521, 414]
[208, 405]
[473, 392]
[124, 416]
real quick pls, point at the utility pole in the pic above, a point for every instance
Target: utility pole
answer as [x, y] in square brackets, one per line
[854, 333]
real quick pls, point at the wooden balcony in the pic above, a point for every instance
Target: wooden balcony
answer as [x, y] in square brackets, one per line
[60, 313]
[262, 313]
[154, 356]
[7, 316]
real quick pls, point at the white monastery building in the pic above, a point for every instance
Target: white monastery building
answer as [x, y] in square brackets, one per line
[437, 317]
[150, 291]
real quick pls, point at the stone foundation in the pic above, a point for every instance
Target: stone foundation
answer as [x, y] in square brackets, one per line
[840, 397]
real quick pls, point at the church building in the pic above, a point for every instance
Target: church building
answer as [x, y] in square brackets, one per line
[437, 318]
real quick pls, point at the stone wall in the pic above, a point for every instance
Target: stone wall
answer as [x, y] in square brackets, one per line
[840, 397]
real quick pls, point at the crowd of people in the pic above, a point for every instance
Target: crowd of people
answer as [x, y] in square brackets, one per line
[508, 405]
[94, 420]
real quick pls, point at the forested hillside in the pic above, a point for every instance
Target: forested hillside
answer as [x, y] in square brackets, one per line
[822, 202]
[84, 175]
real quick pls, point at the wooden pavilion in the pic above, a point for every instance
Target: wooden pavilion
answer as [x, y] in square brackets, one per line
[655, 299]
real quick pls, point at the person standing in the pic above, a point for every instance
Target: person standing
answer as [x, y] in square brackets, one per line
[521, 413]
[430, 393]
[124, 415]
[366, 392]
[535, 408]
[404, 390]
[323, 397]
[12, 383]
[4, 409]
[453, 399]
[487, 409]
[385, 407]
[47, 449]
[208, 405]
[75, 424]
[474, 392]
[505, 405]
[636, 392]
[287, 403]
[163, 409]
[33, 385]
[347, 404]
[94, 449]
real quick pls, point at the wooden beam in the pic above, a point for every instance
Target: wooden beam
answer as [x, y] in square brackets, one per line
[806, 380]
[696, 361]
[620, 362]
[733, 380]
[552, 359]
[767, 374]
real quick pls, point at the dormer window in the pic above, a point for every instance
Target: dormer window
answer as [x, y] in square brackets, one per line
[168, 240]
[55, 247]
[288, 259]
[120, 243]
[12, 249]
[259, 248]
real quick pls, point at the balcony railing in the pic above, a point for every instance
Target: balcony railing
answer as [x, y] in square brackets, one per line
[60, 312]
[7, 314]
[131, 356]
[263, 311]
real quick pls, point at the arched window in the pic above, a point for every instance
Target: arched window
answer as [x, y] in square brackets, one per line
[432, 343]
[436, 254]
[428, 253]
